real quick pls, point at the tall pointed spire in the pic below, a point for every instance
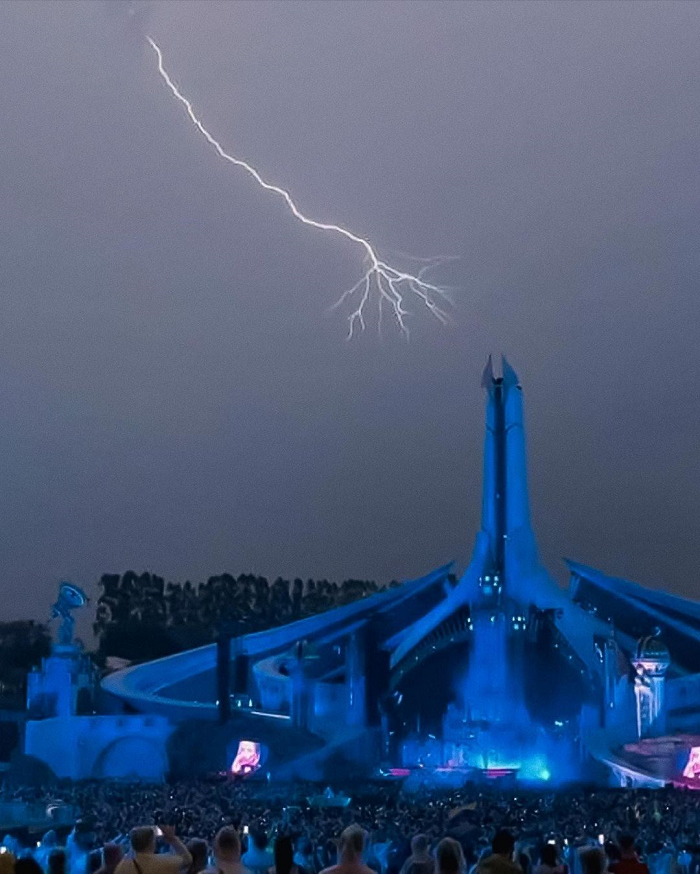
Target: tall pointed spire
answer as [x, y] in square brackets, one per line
[504, 563]
[510, 377]
[487, 375]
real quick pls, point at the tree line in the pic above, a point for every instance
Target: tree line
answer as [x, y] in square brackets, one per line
[141, 616]
[23, 644]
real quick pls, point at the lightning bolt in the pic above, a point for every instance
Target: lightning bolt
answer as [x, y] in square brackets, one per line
[381, 279]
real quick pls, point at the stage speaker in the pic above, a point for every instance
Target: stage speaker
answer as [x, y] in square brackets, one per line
[223, 676]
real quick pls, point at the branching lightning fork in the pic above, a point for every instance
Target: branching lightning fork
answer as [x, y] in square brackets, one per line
[388, 283]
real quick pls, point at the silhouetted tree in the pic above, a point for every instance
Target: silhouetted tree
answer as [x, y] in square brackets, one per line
[23, 644]
[140, 616]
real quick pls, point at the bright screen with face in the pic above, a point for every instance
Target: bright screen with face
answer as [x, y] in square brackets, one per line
[692, 768]
[247, 758]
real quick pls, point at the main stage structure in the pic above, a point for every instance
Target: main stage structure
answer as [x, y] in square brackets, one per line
[497, 674]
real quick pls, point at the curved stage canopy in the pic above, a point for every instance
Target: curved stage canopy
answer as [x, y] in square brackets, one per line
[157, 686]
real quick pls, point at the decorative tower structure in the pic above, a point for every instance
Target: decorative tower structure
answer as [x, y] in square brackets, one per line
[65, 683]
[651, 661]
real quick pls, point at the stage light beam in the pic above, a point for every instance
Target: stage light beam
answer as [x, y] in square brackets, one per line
[382, 279]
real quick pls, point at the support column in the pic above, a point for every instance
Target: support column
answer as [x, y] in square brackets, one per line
[355, 679]
[301, 698]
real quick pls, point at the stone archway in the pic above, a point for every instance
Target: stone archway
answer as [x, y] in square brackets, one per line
[134, 756]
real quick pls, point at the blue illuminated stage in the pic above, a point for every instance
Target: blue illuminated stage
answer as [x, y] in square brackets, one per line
[497, 675]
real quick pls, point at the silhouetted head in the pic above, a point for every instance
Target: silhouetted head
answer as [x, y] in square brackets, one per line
[549, 855]
[593, 860]
[503, 843]
[57, 861]
[284, 855]
[449, 856]
[612, 851]
[352, 843]
[200, 855]
[112, 855]
[258, 836]
[419, 845]
[626, 843]
[227, 844]
[143, 839]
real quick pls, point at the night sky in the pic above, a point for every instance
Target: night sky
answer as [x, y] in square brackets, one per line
[176, 396]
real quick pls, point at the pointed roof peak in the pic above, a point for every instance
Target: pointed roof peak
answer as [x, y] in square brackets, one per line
[487, 375]
[510, 377]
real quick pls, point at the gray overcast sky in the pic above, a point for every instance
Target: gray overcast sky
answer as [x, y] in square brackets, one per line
[175, 395]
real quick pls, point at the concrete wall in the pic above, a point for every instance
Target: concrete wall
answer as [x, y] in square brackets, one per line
[86, 747]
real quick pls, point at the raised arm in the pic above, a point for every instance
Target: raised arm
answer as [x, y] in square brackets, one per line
[176, 844]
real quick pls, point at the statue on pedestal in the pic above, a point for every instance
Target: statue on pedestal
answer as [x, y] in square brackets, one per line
[70, 598]
[66, 676]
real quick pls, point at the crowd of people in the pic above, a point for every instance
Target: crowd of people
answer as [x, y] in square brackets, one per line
[244, 828]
